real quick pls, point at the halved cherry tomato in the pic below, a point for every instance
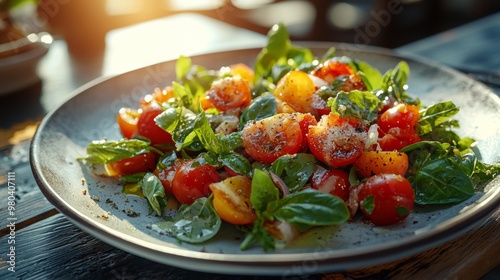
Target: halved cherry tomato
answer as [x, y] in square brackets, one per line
[140, 163]
[379, 162]
[229, 93]
[157, 97]
[296, 89]
[332, 69]
[166, 175]
[127, 121]
[333, 181]
[282, 134]
[191, 181]
[232, 200]
[386, 198]
[147, 127]
[242, 70]
[337, 141]
[397, 127]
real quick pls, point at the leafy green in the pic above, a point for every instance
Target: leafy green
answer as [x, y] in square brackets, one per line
[436, 115]
[179, 122]
[195, 223]
[221, 148]
[263, 191]
[192, 81]
[295, 170]
[362, 105]
[436, 174]
[154, 193]
[394, 84]
[261, 107]
[279, 54]
[372, 78]
[101, 152]
[309, 208]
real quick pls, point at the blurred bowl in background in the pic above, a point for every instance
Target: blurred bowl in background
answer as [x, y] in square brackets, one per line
[19, 60]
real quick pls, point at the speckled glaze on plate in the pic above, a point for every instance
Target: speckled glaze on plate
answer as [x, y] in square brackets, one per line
[98, 206]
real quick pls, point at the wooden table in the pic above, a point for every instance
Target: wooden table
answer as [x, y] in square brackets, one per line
[48, 246]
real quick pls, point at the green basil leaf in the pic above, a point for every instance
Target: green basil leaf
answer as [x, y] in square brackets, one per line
[435, 115]
[362, 105]
[237, 163]
[309, 208]
[195, 223]
[102, 152]
[262, 107]
[294, 170]
[154, 193]
[263, 191]
[182, 67]
[372, 78]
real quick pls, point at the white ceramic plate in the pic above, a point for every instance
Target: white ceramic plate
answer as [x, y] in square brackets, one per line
[90, 114]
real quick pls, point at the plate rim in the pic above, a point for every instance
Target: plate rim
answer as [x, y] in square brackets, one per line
[267, 262]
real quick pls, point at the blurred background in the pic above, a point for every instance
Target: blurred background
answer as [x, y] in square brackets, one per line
[385, 23]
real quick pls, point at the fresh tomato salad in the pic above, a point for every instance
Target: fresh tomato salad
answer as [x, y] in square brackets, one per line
[292, 142]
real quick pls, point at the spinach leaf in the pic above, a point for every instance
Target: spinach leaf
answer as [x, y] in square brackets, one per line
[362, 105]
[441, 182]
[101, 152]
[154, 193]
[195, 223]
[437, 175]
[294, 170]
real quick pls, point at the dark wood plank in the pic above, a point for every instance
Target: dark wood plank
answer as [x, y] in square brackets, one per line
[68, 252]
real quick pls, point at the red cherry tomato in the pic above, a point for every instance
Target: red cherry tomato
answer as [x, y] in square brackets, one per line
[140, 163]
[191, 181]
[386, 198]
[333, 181]
[337, 141]
[330, 70]
[230, 93]
[282, 134]
[157, 97]
[127, 121]
[397, 127]
[166, 175]
[146, 126]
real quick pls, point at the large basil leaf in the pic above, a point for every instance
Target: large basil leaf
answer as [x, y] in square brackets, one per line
[309, 208]
[101, 152]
